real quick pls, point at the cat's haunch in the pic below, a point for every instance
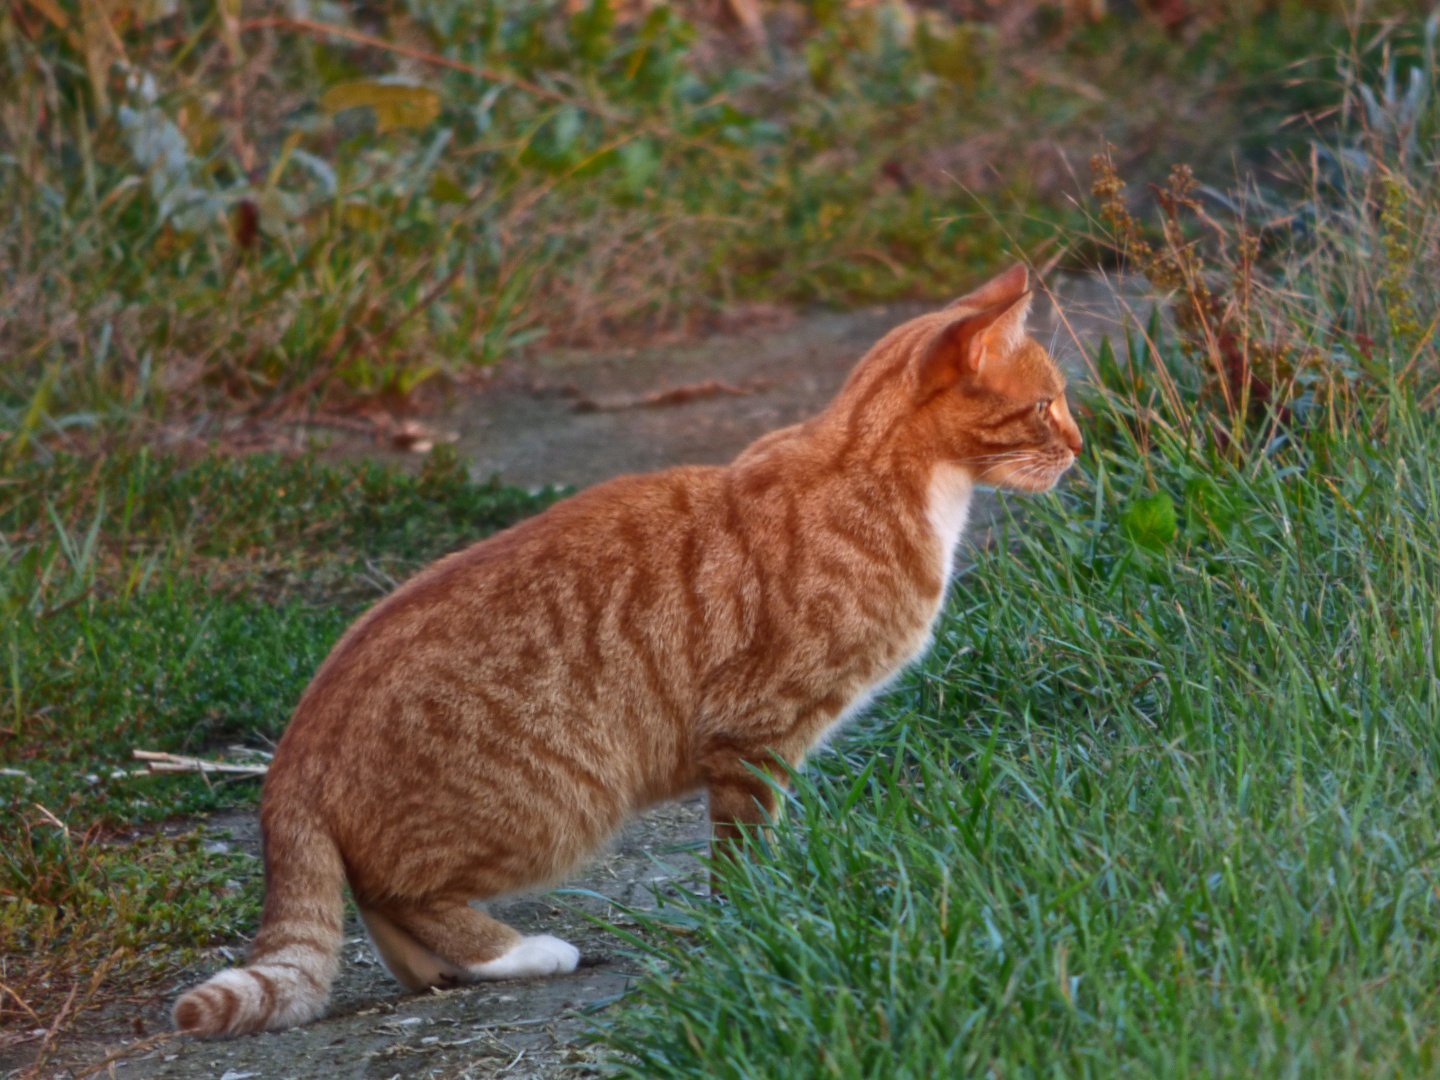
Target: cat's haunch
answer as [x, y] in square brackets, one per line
[492, 722]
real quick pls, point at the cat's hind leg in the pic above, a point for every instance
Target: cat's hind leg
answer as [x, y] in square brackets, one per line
[415, 966]
[466, 945]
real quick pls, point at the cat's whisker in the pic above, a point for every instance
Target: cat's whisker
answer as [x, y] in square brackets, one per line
[997, 459]
[990, 459]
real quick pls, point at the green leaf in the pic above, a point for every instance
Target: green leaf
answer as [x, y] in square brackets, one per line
[639, 163]
[1150, 522]
[961, 54]
[444, 189]
[361, 216]
[590, 30]
[568, 124]
[1206, 504]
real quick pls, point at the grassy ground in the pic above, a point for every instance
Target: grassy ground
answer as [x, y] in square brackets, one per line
[221, 205]
[1163, 800]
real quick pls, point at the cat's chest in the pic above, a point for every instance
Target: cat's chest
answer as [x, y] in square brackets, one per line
[947, 511]
[948, 508]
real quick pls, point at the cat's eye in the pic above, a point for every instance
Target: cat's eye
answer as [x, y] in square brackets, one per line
[1042, 406]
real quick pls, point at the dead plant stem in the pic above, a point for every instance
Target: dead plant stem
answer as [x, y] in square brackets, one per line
[21, 1002]
[124, 1052]
[48, 1042]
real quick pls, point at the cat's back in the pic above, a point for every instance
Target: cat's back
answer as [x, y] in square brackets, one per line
[618, 560]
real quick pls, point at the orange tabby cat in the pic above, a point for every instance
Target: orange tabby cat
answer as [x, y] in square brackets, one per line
[494, 720]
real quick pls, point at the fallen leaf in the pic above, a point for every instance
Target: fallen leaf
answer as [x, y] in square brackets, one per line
[396, 105]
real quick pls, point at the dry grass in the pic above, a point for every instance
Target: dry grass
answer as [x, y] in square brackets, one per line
[194, 223]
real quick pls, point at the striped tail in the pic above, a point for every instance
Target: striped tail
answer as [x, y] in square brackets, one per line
[294, 959]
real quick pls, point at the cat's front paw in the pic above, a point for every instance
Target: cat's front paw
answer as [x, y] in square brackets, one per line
[530, 958]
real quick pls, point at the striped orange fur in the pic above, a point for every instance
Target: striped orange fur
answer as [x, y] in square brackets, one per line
[493, 721]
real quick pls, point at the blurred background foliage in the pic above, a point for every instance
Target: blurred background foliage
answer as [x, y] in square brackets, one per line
[251, 206]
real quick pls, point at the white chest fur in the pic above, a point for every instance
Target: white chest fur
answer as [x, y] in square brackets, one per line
[949, 506]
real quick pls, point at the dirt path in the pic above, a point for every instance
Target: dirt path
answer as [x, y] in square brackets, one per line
[580, 417]
[565, 418]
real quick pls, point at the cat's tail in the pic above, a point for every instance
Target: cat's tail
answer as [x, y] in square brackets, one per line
[295, 957]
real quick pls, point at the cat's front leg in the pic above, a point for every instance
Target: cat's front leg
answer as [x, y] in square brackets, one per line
[742, 794]
[740, 802]
[738, 805]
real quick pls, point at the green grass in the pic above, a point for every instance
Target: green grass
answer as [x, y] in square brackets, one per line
[216, 506]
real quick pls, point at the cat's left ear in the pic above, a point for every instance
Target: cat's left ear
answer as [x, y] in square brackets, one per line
[1003, 288]
[976, 348]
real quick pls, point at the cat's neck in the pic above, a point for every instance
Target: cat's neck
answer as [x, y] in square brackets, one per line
[927, 499]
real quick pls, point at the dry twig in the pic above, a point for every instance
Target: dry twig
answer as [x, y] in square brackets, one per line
[124, 1052]
[20, 1001]
[161, 763]
[48, 1042]
[675, 395]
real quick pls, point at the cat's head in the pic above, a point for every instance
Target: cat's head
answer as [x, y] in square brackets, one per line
[985, 395]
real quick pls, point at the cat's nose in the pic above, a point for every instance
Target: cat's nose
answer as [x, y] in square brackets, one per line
[1073, 439]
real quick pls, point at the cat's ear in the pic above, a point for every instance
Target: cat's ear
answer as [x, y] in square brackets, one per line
[1003, 288]
[976, 348]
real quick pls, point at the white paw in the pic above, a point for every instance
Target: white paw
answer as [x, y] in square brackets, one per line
[531, 957]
